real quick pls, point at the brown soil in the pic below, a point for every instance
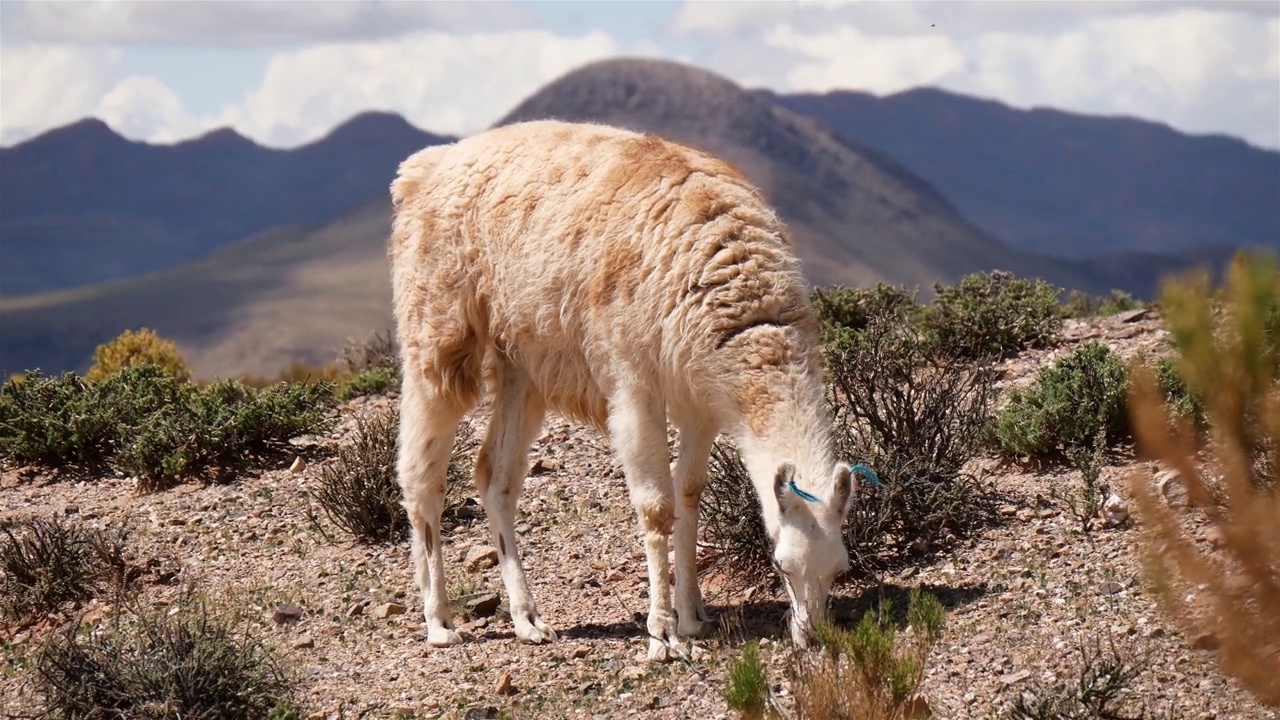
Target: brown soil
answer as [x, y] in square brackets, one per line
[1020, 597]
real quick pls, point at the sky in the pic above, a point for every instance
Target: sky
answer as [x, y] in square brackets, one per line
[285, 72]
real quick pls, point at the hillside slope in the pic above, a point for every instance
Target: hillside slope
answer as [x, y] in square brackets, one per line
[857, 215]
[1066, 184]
[81, 204]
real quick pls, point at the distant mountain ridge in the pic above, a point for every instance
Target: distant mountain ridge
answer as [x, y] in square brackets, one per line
[1065, 184]
[291, 243]
[81, 204]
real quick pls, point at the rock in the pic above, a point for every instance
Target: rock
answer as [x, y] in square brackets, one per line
[1155, 631]
[1025, 515]
[1014, 678]
[1206, 641]
[1045, 513]
[523, 528]
[916, 707]
[71, 509]
[357, 608]
[304, 641]
[1110, 588]
[298, 465]
[1007, 510]
[504, 686]
[542, 466]
[481, 713]
[288, 612]
[1170, 484]
[480, 557]
[1115, 510]
[1133, 315]
[386, 610]
[1214, 535]
[482, 604]
[632, 672]
[581, 651]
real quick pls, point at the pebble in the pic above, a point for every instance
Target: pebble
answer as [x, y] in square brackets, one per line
[504, 686]
[480, 557]
[482, 604]
[387, 610]
[304, 641]
[287, 612]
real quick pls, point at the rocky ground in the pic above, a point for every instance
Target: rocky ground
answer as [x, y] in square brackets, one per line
[1021, 597]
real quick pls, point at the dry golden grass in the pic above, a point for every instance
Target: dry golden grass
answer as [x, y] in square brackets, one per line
[1230, 596]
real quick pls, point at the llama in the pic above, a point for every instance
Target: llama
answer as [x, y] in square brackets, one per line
[620, 280]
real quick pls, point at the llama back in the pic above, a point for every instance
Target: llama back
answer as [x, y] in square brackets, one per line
[581, 251]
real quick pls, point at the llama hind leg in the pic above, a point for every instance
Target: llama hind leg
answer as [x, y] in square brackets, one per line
[500, 468]
[696, 439]
[428, 423]
[637, 425]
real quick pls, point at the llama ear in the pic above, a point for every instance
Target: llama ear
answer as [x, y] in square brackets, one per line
[782, 484]
[842, 489]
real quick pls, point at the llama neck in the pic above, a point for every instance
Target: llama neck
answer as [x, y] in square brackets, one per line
[786, 421]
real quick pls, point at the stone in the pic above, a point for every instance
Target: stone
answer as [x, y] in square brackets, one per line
[581, 651]
[1014, 677]
[1110, 588]
[1115, 510]
[483, 604]
[1206, 641]
[480, 557]
[304, 641]
[386, 610]
[1171, 487]
[504, 686]
[1007, 510]
[287, 612]
[542, 466]
[632, 672]
[357, 608]
[298, 465]
[1133, 315]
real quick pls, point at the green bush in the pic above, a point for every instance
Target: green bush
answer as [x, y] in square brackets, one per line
[194, 662]
[375, 381]
[917, 415]
[145, 422]
[1083, 305]
[1079, 397]
[993, 315]
[747, 686]
[132, 349]
[841, 309]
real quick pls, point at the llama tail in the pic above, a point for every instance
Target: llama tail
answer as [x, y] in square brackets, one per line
[413, 172]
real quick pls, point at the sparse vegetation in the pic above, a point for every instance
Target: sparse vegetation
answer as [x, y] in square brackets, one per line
[194, 662]
[1228, 357]
[1082, 305]
[917, 414]
[144, 422]
[1072, 402]
[870, 672]
[993, 315]
[133, 349]
[747, 687]
[733, 523]
[48, 562]
[1099, 692]
[358, 490]
[1086, 499]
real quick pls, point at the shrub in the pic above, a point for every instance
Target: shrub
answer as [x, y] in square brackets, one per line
[370, 367]
[731, 515]
[850, 309]
[1098, 692]
[747, 685]
[145, 422]
[1183, 404]
[367, 382]
[1071, 402]
[871, 671]
[993, 315]
[359, 492]
[1229, 359]
[132, 349]
[1086, 500]
[48, 563]
[917, 414]
[1082, 305]
[194, 662]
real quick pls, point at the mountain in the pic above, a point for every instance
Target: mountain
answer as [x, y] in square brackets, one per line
[1066, 184]
[857, 215]
[297, 290]
[81, 204]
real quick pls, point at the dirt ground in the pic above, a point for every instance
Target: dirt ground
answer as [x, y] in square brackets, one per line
[1020, 597]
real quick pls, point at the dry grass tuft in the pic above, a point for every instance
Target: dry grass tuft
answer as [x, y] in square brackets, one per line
[1228, 357]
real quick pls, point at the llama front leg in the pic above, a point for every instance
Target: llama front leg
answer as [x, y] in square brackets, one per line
[691, 477]
[499, 476]
[427, 431]
[638, 429]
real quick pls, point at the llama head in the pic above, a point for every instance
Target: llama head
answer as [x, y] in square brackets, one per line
[808, 546]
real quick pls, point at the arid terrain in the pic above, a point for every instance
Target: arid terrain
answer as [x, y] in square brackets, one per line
[1021, 597]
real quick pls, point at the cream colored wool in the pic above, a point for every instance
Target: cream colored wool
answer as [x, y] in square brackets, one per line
[621, 280]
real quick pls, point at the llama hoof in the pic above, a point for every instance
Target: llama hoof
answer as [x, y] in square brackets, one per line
[531, 629]
[700, 627]
[443, 637]
[661, 651]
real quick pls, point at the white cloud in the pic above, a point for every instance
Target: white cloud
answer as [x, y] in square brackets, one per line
[1198, 69]
[445, 83]
[43, 86]
[246, 23]
[144, 108]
